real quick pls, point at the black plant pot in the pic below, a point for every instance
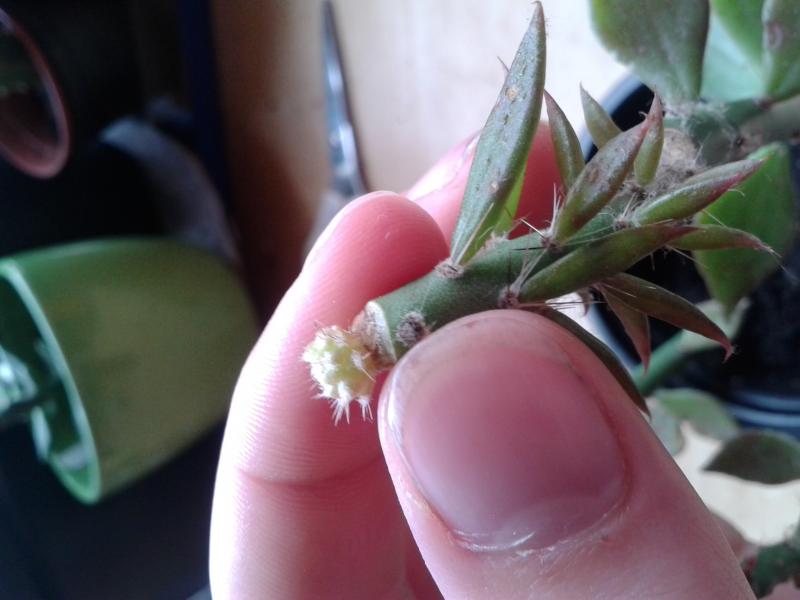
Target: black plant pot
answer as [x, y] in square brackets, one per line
[761, 382]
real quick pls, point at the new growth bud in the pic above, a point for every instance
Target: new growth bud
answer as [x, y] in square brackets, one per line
[344, 369]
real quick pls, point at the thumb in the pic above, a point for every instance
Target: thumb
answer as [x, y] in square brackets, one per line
[524, 471]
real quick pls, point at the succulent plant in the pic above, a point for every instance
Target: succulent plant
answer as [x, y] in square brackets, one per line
[628, 201]
[729, 72]
[707, 171]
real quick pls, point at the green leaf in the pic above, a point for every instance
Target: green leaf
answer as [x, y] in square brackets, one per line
[490, 199]
[599, 123]
[603, 352]
[764, 206]
[741, 19]
[695, 193]
[666, 426]
[717, 237]
[646, 163]
[704, 412]
[597, 183]
[781, 46]
[763, 456]
[728, 73]
[730, 322]
[597, 260]
[662, 41]
[671, 356]
[665, 306]
[569, 156]
[773, 565]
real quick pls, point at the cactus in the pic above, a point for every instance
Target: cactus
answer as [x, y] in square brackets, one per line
[621, 206]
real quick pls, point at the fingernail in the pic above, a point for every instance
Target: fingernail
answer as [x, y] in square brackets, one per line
[446, 170]
[508, 445]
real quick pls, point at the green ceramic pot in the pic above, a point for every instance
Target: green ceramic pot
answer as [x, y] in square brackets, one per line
[120, 352]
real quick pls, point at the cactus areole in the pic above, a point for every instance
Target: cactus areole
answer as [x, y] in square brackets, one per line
[628, 201]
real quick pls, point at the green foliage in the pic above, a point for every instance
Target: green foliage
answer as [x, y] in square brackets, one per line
[663, 305]
[635, 323]
[591, 262]
[696, 193]
[494, 184]
[566, 145]
[596, 234]
[704, 413]
[719, 237]
[599, 123]
[764, 206]
[760, 456]
[666, 426]
[598, 183]
[728, 72]
[781, 19]
[646, 164]
[742, 20]
[663, 41]
[773, 565]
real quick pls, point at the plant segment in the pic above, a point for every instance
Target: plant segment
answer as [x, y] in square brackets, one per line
[610, 213]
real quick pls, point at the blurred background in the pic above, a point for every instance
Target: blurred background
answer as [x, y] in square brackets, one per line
[208, 123]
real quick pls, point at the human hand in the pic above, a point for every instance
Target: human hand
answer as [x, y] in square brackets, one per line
[522, 469]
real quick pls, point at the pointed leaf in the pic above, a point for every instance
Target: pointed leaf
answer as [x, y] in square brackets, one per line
[662, 41]
[503, 147]
[635, 323]
[704, 412]
[665, 306]
[603, 352]
[764, 206]
[646, 163]
[781, 47]
[763, 456]
[696, 193]
[597, 184]
[730, 322]
[599, 123]
[718, 237]
[594, 261]
[565, 143]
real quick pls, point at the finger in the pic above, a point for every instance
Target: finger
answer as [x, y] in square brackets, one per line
[441, 189]
[303, 509]
[524, 471]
